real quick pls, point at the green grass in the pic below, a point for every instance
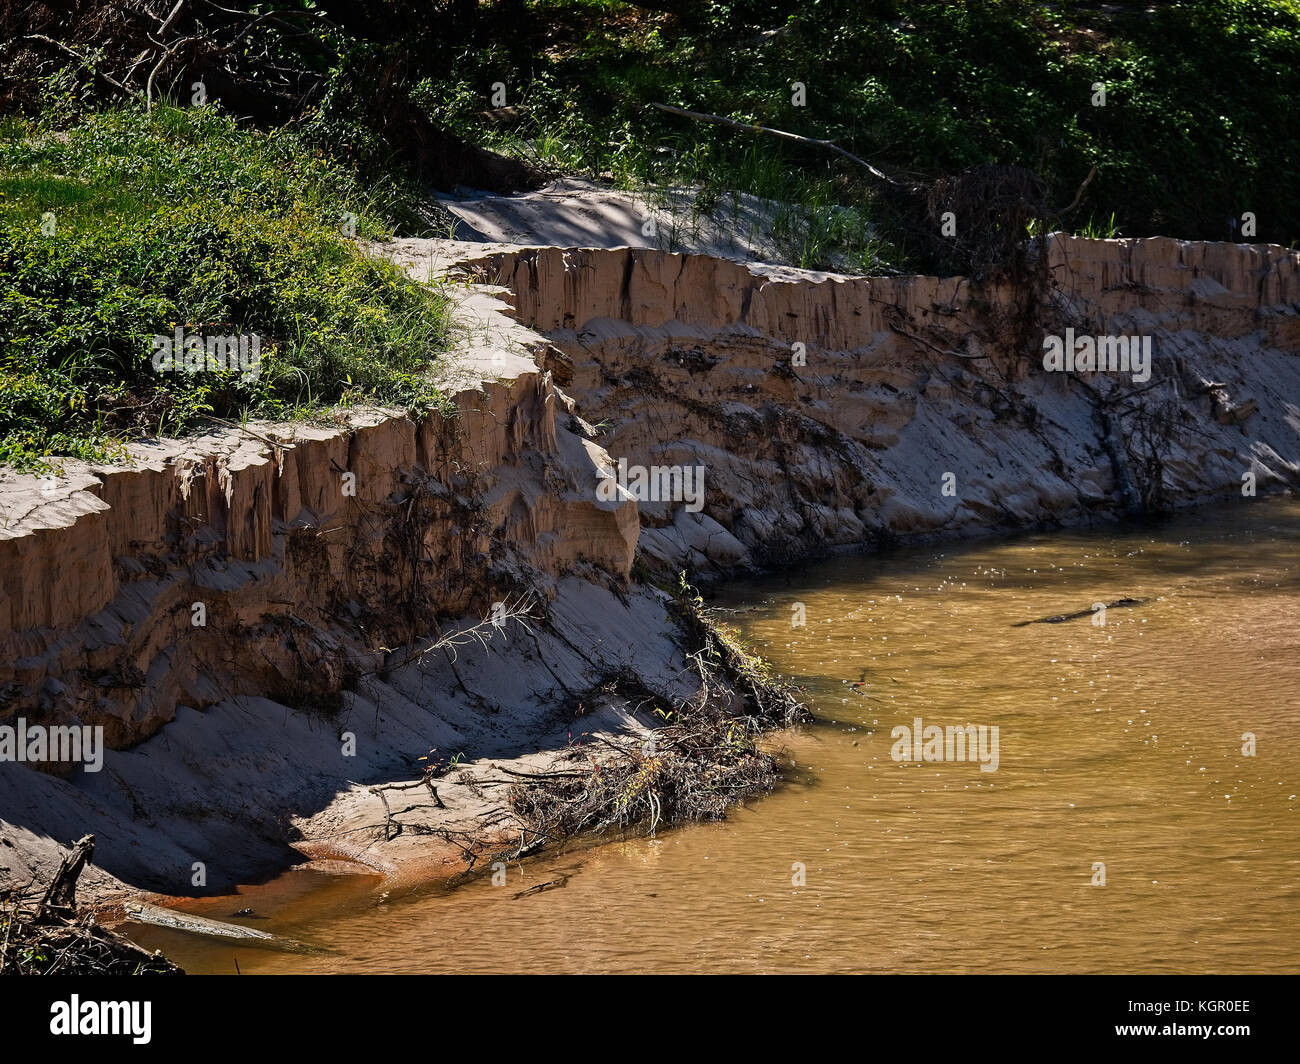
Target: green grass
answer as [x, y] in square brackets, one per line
[185, 218]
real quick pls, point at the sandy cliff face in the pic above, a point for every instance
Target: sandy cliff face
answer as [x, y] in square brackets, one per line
[918, 404]
[823, 410]
[321, 560]
[302, 549]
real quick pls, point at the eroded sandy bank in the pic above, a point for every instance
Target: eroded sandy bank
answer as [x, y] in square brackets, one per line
[229, 740]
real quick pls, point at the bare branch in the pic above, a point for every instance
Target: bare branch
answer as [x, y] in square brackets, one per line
[699, 116]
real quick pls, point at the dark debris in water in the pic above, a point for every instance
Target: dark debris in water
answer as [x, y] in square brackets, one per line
[1060, 618]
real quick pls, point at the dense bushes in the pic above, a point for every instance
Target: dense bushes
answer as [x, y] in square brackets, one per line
[185, 217]
[1199, 123]
[127, 226]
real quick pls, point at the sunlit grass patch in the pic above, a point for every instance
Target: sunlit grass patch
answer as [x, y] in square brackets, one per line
[129, 226]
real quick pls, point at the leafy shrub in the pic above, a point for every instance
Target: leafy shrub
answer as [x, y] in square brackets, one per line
[184, 219]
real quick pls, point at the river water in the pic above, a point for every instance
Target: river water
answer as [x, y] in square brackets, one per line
[1119, 745]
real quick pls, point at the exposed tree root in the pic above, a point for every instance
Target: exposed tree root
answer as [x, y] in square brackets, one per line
[43, 934]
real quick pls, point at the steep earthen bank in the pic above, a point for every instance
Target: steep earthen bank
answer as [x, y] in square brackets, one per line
[248, 617]
[235, 564]
[259, 735]
[909, 386]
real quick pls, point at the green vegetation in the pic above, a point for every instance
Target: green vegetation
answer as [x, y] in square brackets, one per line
[1199, 123]
[186, 217]
[127, 225]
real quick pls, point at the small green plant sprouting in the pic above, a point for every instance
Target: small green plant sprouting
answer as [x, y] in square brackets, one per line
[1103, 230]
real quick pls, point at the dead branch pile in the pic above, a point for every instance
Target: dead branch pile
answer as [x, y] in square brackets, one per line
[704, 756]
[41, 932]
[991, 208]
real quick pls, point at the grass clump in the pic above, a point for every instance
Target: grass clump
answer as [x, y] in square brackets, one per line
[128, 225]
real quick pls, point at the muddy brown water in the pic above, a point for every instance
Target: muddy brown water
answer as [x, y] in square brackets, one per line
[1119, 745]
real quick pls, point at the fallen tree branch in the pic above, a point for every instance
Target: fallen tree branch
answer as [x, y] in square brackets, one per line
[167, 22]
[700, 116]
[380, 788]
[77, 55]
[1079, 194]
[62, 892]
[44, 934]
[541, 775]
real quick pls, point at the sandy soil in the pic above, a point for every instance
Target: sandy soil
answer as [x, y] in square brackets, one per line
[572, 212]
[249, 786]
